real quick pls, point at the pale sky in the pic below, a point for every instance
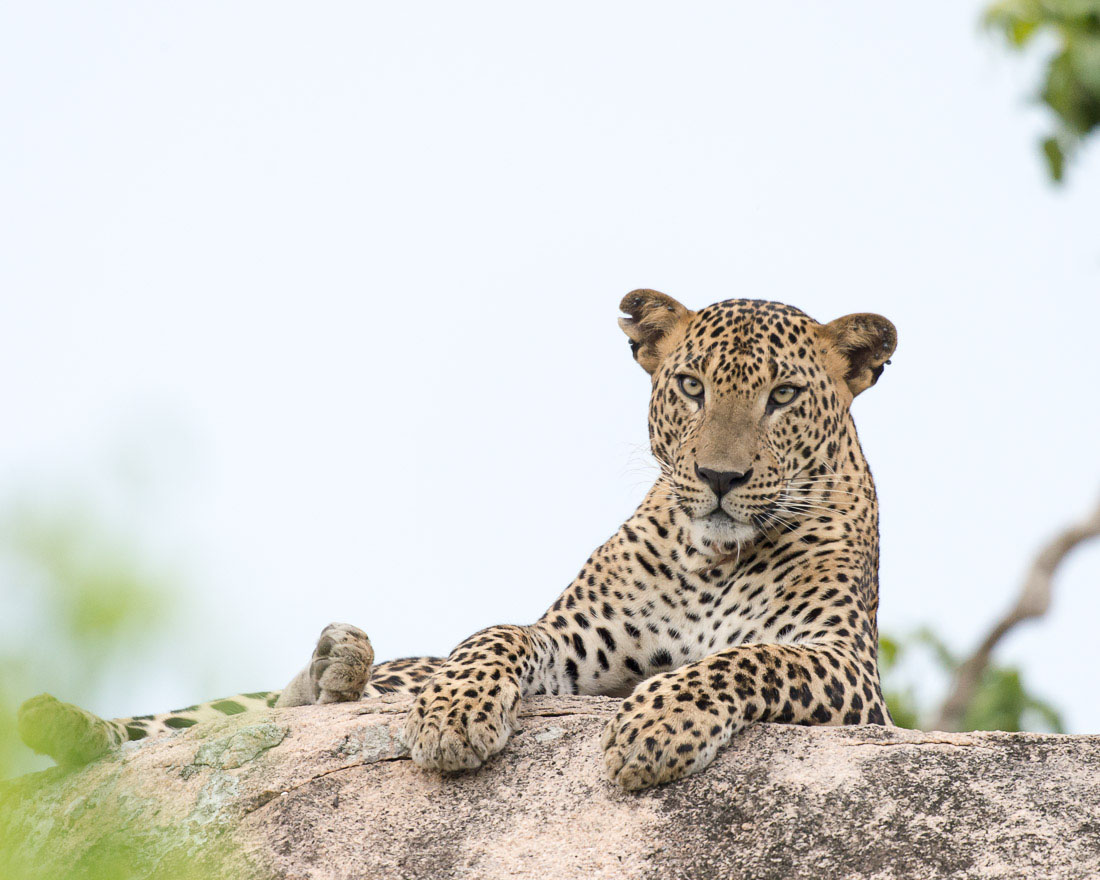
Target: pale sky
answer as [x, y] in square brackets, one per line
[347, 274]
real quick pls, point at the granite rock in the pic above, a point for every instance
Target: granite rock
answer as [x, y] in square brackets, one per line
[329, 792]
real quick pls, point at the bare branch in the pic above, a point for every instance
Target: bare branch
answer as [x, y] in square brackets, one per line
[1033, 601]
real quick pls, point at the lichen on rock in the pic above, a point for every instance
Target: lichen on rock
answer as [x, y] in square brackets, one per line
[238, 748]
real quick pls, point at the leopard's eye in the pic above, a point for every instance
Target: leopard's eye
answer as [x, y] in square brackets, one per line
[783, 395]
[691, 386]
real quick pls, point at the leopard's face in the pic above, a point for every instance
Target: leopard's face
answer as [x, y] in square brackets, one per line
[749, 412]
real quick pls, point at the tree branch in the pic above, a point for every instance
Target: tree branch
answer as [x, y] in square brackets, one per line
[1033, 601]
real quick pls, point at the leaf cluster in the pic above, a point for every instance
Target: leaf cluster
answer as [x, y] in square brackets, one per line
[1002, 701]
[1071, 86]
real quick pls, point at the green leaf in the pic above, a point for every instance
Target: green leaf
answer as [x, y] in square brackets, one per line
[1084, 60]
[1018, 20]
[903, 707]
[888, 651]
[944, 656]
[1056, 159]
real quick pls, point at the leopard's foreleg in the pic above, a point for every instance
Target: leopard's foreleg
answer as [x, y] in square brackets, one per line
[675, 722]
[467, 710]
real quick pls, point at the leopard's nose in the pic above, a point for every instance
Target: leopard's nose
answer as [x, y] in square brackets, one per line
[722, 481]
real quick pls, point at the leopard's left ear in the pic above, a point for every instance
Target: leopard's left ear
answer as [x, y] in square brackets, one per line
[865, 343]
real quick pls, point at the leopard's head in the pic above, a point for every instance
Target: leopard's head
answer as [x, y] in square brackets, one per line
[749, 408]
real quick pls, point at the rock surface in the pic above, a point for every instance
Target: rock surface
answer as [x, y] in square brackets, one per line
[327, 792]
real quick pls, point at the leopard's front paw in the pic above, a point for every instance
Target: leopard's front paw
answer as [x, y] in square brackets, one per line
[458, 722]
[661, 736]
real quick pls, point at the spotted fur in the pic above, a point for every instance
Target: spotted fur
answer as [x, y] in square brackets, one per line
[744, 588]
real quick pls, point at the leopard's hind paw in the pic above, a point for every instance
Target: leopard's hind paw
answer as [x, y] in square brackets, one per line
[341, 663]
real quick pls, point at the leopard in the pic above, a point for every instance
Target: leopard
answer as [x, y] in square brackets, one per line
[742, 590]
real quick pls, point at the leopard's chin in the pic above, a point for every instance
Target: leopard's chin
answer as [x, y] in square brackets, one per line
[718, 535]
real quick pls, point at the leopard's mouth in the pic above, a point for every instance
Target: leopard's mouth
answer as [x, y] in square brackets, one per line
[718, 515]
[720, 532]
[719, 520]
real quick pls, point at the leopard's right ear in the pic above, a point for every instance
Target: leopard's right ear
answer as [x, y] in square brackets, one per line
[655, 325]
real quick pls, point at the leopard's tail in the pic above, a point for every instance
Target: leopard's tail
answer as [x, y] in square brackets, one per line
[73, 736]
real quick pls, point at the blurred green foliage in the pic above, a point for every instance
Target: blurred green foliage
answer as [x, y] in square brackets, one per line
[85, 603]
[1002, 701]
[84, 600]
[1071, 87]
[126, 848]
